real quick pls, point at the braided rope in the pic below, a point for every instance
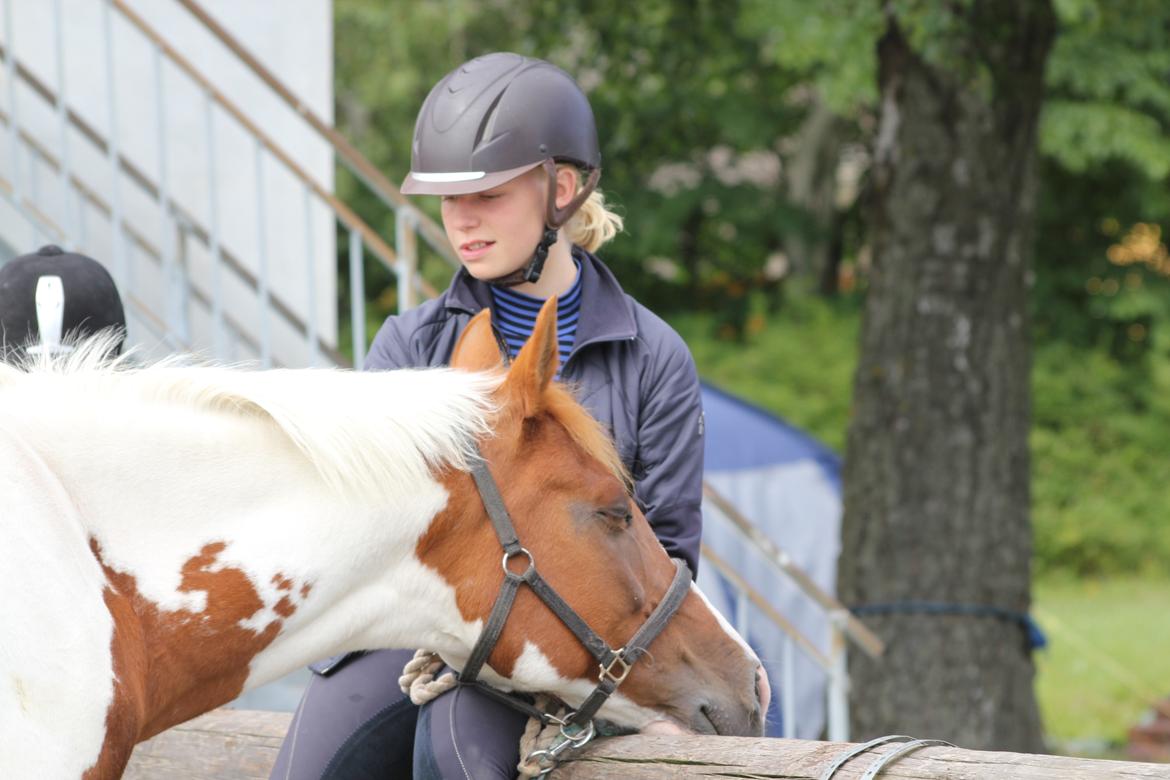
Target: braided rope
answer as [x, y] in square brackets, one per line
[418, 677]
[538, 737]
[418, 680]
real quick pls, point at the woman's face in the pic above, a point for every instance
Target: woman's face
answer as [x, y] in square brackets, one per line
[495, 231]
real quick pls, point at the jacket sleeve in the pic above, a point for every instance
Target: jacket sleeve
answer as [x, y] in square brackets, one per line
[391, 347]
[668, 471]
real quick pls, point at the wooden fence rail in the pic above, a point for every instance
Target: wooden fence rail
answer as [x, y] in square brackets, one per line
[242, 745]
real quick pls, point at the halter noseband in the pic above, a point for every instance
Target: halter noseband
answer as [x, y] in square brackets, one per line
[614, 665]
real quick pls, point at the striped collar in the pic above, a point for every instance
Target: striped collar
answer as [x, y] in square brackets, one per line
[608, 317]
[514, 315]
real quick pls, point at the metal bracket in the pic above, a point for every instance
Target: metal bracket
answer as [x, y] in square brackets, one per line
[911, 744]
[857, 750]
[902, 750]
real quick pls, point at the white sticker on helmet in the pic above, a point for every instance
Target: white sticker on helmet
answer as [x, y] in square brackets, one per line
[50, 302]
[449, 177]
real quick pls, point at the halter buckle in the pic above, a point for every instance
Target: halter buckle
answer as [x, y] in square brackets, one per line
[607, 670]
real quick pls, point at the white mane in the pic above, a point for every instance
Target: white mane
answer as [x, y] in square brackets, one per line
[374, 433]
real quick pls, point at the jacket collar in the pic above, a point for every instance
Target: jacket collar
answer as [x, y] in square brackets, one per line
[606, 312]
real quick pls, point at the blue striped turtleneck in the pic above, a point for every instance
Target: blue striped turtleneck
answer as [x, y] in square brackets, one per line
[515, 313]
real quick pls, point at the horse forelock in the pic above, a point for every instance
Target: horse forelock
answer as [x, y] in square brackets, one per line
[590, 435]
[372, 434]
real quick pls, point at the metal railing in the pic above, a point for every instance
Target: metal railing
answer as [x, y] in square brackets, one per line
[843, 626]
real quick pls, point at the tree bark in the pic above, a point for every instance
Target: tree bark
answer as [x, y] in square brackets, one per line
[937, 469]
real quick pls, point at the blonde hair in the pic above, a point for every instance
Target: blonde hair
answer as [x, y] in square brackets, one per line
[594, 224]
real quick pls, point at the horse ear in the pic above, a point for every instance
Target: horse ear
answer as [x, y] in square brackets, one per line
[477, 349]
[537, 362]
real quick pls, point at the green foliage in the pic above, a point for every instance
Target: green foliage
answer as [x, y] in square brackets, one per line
[1100, 476]
[1081, 133]
[831, 48]
[797, 362]
[1109, 86]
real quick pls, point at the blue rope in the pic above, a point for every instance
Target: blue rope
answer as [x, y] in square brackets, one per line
[1036, 638]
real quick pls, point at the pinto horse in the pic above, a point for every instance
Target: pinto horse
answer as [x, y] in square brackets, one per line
[175, 535]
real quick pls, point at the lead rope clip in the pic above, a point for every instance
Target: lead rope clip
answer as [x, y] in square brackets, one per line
[571, 737]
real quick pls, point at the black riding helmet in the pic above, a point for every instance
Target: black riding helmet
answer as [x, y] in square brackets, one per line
[52, 295]
[498, 117]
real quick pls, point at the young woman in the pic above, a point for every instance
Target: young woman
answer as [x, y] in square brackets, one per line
[510, 145]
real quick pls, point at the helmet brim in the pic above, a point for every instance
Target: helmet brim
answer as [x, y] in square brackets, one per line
[461, 182]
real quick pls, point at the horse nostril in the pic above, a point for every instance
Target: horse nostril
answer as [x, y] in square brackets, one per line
[707, 724]
[763, 689]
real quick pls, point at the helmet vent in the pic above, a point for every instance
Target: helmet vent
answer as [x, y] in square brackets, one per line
[489, 121]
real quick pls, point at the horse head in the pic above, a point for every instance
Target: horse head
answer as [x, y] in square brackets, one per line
[568, 495]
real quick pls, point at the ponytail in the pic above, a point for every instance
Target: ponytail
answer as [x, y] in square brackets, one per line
[593, 225]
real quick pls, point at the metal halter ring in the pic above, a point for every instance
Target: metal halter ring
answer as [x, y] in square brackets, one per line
[576, 741]
[525, 553]
[618, 659]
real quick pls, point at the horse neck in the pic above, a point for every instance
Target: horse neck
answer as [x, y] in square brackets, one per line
[226, 527]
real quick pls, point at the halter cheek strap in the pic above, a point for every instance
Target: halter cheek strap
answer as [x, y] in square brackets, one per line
[613, 665]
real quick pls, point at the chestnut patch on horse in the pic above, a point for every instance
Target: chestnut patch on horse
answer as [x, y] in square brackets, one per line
[126, 713]
[157, 661]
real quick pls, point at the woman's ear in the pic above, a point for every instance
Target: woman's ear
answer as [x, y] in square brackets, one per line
[568, 182]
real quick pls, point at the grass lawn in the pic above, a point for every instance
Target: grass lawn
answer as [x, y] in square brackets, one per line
[1108, 655]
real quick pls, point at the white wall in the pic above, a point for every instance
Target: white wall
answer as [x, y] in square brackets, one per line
[293, 38]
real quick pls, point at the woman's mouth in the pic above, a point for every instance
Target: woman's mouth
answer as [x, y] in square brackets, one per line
[473, 250]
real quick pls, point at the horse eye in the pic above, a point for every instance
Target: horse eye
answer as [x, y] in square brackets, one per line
[616, 518]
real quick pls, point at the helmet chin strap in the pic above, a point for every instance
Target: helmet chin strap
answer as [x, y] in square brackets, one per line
[554, 218]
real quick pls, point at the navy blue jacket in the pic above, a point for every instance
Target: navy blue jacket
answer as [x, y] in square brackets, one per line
[632, 372]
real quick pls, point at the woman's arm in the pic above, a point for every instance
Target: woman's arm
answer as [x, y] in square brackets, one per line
[390, 348]
[668, 473]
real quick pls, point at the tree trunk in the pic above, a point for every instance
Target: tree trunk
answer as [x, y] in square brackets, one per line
[937, 469]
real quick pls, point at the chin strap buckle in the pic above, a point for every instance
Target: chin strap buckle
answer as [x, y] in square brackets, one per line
[535, 266]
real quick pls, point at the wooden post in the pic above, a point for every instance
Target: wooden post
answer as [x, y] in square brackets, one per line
[242, 745]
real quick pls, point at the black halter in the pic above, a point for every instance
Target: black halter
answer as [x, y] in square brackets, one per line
[614, 665]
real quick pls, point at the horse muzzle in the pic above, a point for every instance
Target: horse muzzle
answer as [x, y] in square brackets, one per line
[731, 714]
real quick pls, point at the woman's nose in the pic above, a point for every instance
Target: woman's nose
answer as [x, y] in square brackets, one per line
[461, 213]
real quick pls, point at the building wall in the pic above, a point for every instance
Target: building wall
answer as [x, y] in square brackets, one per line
[293, 38]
